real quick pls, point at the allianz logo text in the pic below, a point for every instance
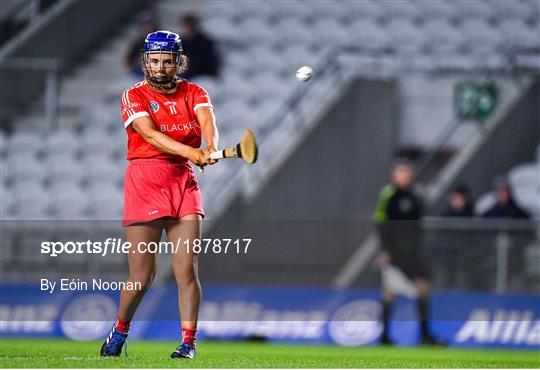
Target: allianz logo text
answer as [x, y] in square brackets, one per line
[500, 327]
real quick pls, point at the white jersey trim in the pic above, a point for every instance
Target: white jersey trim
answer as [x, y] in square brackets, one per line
[197, 106]
[134, 117]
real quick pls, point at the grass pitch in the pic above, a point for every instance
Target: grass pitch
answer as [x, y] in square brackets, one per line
[55, 353]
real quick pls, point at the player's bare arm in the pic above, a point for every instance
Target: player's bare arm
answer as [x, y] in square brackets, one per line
[147, 129]
[207, 120]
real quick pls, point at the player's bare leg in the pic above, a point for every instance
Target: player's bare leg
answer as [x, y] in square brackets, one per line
[185, 268]
[142, 266]
[142, 269]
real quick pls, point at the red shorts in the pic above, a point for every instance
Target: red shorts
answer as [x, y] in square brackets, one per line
[156, 188]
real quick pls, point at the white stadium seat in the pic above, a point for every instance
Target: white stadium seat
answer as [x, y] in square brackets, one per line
[256, 31]
[405, 35]
[237, 87]
[107, 205]
[525, 175]
[235, 114]
[221, 29]
[534, 9]
[368, 9]
[436, 9]
[63, 142]
[295, 56]
[30, 201]
[473, 9]
[328, 9]
[250, 9]
[265, 59]
[369, 35]
[101, 168]
[505, 10]
[69, 201]
[441, 36]
[28, 167]
[289, 9]
[268, 107]
[517, 34]
[21, 142]
[267, 86]
[400, 9]
[293, 31]
[104, 190]
[218, 9]
[102, 115]
[99, 141]
[64, 169]
[331, 32]
[479, 35]
[237, 63]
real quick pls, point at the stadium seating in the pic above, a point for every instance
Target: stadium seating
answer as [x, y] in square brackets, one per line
[262, 44]
[30, 201]
[22, 141]
[62, 143]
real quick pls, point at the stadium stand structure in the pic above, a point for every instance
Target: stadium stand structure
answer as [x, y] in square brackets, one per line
[75, 172]
[262, 44]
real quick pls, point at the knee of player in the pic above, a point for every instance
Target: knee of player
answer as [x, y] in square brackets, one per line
[186, 274]
[144, 279]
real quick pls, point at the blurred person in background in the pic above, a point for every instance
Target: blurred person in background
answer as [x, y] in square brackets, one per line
[505, 205]
[459, 203]
[132, 57]
[397, 216]
[200, 48]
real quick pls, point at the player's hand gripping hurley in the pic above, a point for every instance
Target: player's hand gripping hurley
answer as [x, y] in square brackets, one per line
[245, 149]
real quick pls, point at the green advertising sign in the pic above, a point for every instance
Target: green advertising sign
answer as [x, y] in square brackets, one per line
[474, 100]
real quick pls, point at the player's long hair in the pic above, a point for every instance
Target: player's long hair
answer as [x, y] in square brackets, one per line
[181, 67]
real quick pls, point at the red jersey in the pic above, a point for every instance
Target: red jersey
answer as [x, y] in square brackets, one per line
[172, 113]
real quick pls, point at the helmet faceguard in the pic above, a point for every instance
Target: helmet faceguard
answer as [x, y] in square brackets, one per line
[163, 42]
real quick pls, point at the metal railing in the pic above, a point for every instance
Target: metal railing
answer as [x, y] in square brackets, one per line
[487, 254]
[501, 255]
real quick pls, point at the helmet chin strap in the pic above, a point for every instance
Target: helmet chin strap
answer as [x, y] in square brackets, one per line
[162, 83]
[163, 86]
[162, 80]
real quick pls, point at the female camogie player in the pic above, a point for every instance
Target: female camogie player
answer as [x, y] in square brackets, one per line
[165, 117]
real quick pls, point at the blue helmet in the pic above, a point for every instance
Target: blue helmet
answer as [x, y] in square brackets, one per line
[163, 41]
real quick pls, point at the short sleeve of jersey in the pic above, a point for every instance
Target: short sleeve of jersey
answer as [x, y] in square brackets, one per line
[200, 98]
[133, 107]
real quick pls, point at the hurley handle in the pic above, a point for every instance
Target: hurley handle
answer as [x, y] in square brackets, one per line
[220, 154]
